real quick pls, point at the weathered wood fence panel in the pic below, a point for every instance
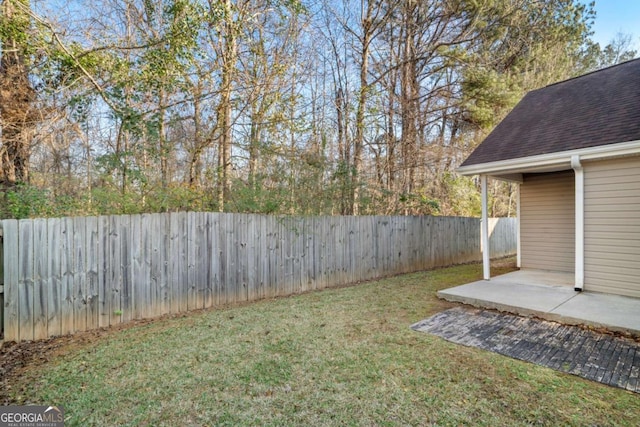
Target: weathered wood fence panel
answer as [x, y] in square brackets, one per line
[502, 238]
[65, 275]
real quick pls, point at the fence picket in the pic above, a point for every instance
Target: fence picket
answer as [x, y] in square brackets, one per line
[127, 291]
[251, 241]
[239, 228]
[138, 281]
[271, 257]
[25, 279]
[41, 282]
[149, 256]
[198, 240]
[54, 274]
[79, 283]
[206, 263]
[114, 271]
[174, 251]
[260, 255]
[184, 257]
[66, 285]
[91, 247]
[153, 286]
[104, 297]
[203, 254]
[11, 267]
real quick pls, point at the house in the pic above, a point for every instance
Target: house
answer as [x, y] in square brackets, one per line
[574, 149]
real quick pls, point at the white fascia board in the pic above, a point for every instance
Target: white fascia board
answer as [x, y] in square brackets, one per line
[550, 160]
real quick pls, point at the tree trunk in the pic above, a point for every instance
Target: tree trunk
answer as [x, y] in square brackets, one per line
[343, 152]
[409, 104]
[163, 145]
[254, 144]
[196, 152]
[229, 57]
[362, 100]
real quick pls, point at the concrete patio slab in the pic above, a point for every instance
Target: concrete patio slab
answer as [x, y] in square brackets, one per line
[549, 295]
[517, 298]
[613, 312]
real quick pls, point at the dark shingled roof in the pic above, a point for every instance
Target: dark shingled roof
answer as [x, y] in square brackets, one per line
[596, 109]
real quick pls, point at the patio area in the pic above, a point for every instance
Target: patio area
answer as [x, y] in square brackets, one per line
[549, 295]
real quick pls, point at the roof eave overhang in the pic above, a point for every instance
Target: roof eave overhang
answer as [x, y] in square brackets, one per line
[550, 162]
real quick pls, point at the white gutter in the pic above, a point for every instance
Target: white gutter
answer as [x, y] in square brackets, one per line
[579, 200]
[561, 158]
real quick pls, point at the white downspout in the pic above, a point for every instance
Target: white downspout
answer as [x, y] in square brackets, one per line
[484, 231]
[518, 250]
[579, 207]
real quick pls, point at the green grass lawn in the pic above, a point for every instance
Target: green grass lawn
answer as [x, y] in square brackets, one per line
[337, 357]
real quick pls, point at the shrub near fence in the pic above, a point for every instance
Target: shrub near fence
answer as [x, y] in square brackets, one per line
[64, 275]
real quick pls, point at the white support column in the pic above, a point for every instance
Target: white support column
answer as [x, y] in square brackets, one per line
[484, 227]
[518, 250]
[579, 208]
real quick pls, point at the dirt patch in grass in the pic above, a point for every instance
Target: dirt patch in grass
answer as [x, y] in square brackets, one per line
[336, 357]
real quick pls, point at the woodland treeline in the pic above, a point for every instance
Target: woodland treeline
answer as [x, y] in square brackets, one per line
[270, 106]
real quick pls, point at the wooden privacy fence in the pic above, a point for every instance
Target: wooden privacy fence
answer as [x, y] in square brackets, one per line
[65, 275]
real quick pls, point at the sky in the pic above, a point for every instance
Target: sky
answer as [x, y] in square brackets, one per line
[614, 16]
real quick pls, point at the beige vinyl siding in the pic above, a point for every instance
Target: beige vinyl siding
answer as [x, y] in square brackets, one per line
[612, 226]
[547, 221]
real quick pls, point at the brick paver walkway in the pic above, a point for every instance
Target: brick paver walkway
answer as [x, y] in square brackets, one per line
[596, 356]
